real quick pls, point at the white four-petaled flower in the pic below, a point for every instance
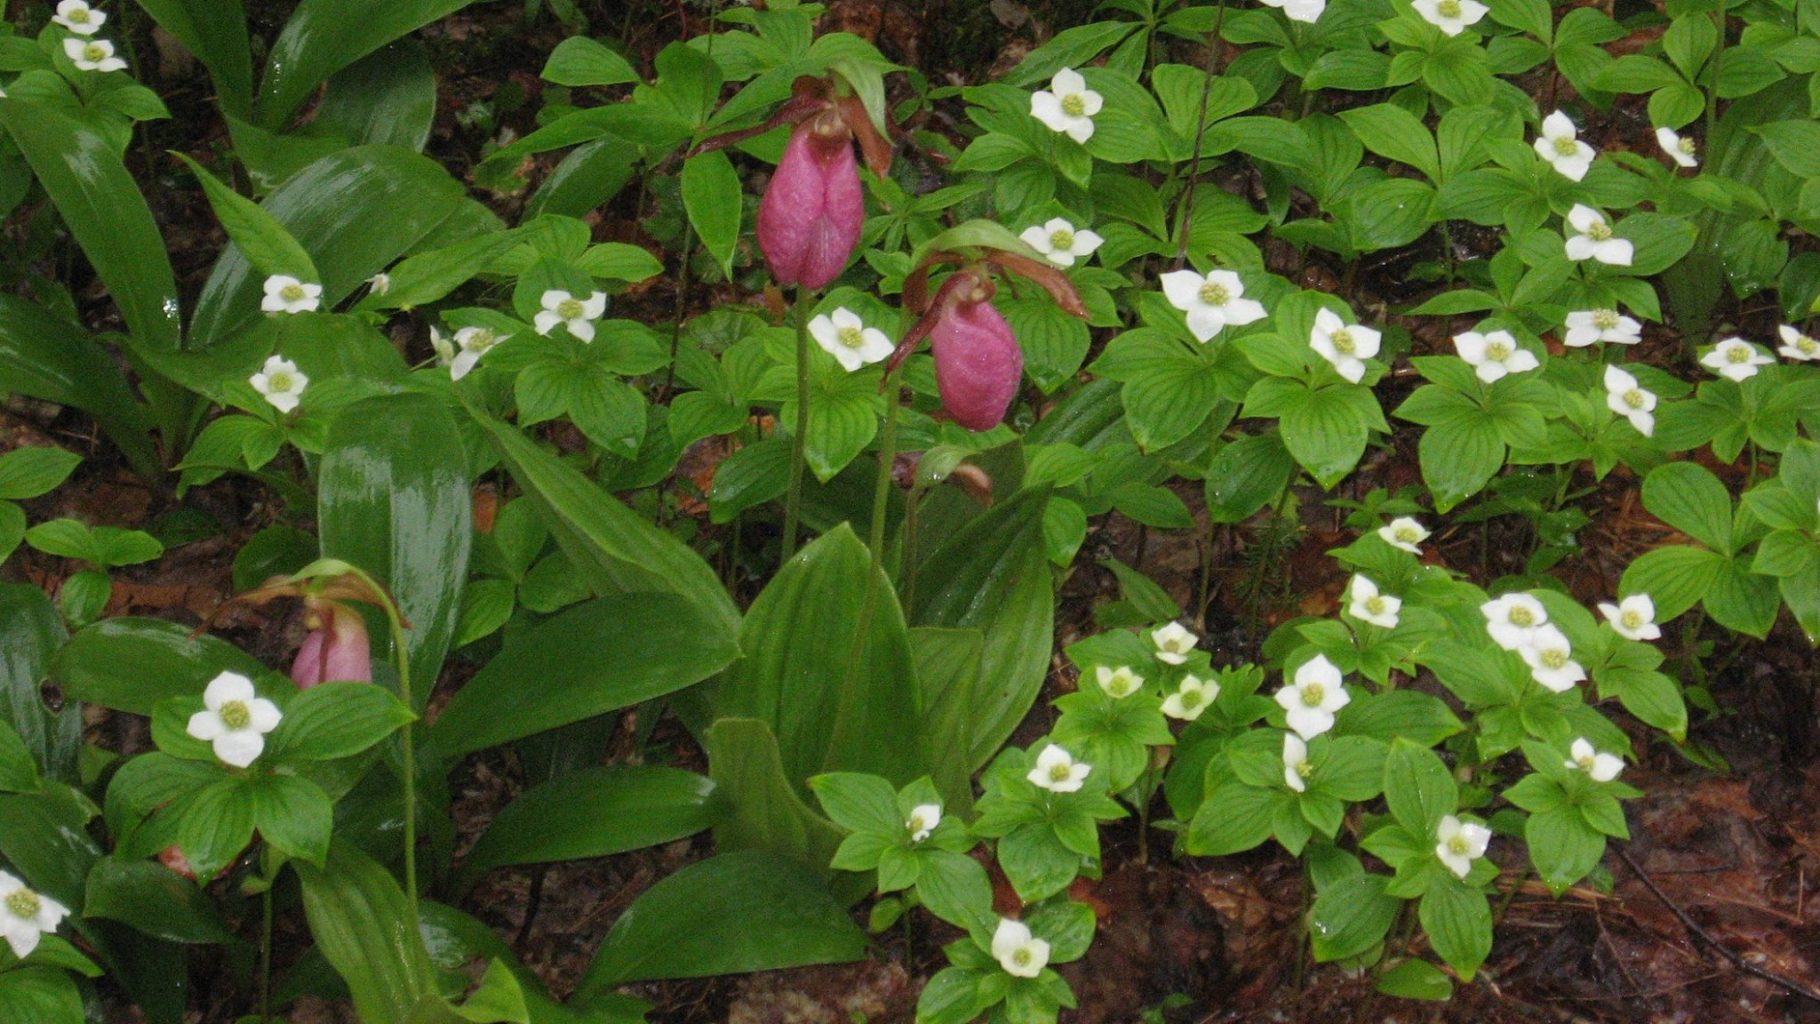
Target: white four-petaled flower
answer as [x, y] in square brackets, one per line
[79, 17]
[922, 821]
[286, 294]
[1796, 345]
[1307, 11]
[1513, 619]
[1735, 359]
[1679, 149]
[1345, 345]
[843, 335]
[1627, 398]
[26, 915]
[1593, 239]
[461, 353]
[1560, 145]
[1312, 697]
[1057, 771]
[1450, 16]
[1586, 758]
[1296, 768]
[1067, 106]
[1587, 326]
[1494, 355]
[1173, 643]
[1368, 604]
[1017, 951]
[235, 719]
[92, 55]
[578, 315]
[1460, 843]
[1404, 533]
[1551, 659]
[280, 382]
[1191, 698]
[1212, 302]
[1633, 618]
[1060, 242]
[1118, 683]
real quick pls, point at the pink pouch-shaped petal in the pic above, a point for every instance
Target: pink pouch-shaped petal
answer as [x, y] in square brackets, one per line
[977, 364]
[810, 217]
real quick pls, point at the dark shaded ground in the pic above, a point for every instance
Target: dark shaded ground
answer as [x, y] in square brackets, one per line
[1738, 852]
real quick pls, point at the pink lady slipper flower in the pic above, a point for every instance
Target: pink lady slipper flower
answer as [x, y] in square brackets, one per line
[337, 649]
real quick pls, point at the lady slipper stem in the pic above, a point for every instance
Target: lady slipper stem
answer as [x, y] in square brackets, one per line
[881, 500]
[805, 303]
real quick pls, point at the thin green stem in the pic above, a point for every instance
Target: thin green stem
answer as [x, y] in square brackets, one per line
[402, 657]
[1712, 94]
[881, 488]
[265, 956]
[793, 501]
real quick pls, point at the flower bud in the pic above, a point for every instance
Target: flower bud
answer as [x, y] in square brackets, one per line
[977, 363]
[810, 217]
[337, 649]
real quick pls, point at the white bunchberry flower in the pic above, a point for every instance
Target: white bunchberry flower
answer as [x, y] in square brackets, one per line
[1212, 302]
[1308, 11]
[379, 283]
[922, 821]
[1067, 106]
[1311, 699]
[1627, 398]
[1118, 683]
[1191, 698]
[236, 719]
[1345, 345]
[1551, 659]
[578, 315]
[1450, 16]
[1173, 643]
[1061, 243]
[26, 915]
[1368, 604]
[280, 382]
[1296, 768]
[1593, 239]
[843, 335]
[1494, 355]
[79, 17]
[1405, 534]
[1585, 758]
[1800, 347]
[1460, 843]
[1608, 325]
[1735, 359]
[1560, 145]
[1633, 618]
[1512, 619]
[1679, 149]
[286, 294]
[463, 352]
[92, 55]
[1017, 951]
[1057, 771]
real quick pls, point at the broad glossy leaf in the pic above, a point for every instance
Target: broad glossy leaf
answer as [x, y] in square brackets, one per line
[596, 657]
[947, 674]
[30, 633]
[215, 31]
[361, 922]
[712, 196]
[324, 36]
[155, 900]
[394, 501]
[130, 664]
[265, 242]
[388, 97]
[730, 914]
[49, 358]
[767, 810]
[102, 206]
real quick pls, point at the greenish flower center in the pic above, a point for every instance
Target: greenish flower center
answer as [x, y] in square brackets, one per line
[1021, 958]
[1605, 319]
[1806, 345]
[1521, 616]
[280, 382]
[1685, 146]
[291, 292]
[1738, 354]
[79, 16]
[1565, 145]
[235, 714]
[95, 52]
[1555, 658]
[1634, 398]
[23, 903]
[1215, 294]
[1342, 341]
[1598, 231]
[1190, 698]
[1497, 351]
[481, 340]
[1304, 769]
[569, 309]
[1074, 105]
[1408, 534]
[916, 823]
[1374, 604]
[1586, 763]
[852, 337]
[1448, 8]
[1631, 619]
[1313, 694]
[1059, 772]
[1061, 239]
[1458, 846]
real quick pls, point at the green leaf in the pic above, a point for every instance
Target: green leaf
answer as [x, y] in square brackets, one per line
[948, 663]
[40, 995]
[324, 36]
[1395, 134]
[33, 471]
[1675, 577]
[713, 199]
[1459, 456]
[1246, 475]
[333, 720]
[596, 657]
[393, 500]
[1795, 144]
[262, 239]
[1691, 499]
[1351, 916]
[593, 812]
[1562, 846]
[768, 810]
[103, 208]
[215, 31]
[1418, 788]
[1458, 922]
[131, 664]
[387, 97]
[30, 633]
[155, 900]
[362, 925]
[580, 61]
[214, 825]
[1416, 979]
[730, 914]
[293, 814]
[1232, 818]
[46, 357]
